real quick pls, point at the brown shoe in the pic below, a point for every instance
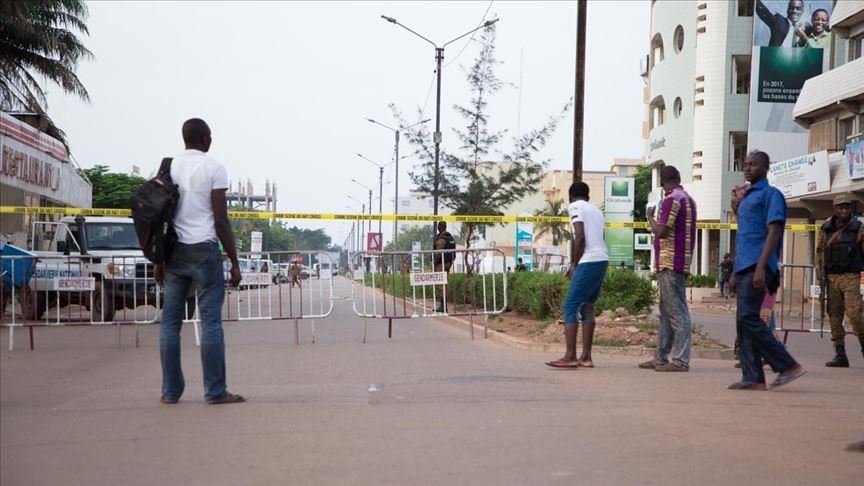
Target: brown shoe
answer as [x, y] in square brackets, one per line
[648, 365]
[746, 385]
[227, 398]
[672, 367]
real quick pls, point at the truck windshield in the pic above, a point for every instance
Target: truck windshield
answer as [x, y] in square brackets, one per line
[112, 236]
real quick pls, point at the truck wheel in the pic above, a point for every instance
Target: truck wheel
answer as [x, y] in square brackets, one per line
[33, 304]
[102, 309]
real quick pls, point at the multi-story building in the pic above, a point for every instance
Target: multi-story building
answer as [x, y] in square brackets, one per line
[698, 82]
[831, 107]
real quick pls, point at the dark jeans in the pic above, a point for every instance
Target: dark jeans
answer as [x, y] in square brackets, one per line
[199, 264]
[755, 339]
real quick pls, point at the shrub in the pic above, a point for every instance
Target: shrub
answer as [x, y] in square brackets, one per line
[699, 281]
[623, 288]
[536, 294]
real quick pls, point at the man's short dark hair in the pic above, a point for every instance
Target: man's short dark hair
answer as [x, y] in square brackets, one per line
[194, 130]
[761, 156]
[579, 189]
[670, 174]
[442, 225]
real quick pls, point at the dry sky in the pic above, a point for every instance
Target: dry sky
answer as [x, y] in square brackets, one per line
[286, 87]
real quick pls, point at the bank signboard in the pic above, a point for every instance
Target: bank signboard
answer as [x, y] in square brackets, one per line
[618, 202]
[801, 176]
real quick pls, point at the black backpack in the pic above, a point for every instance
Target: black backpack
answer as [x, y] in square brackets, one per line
[153, 208]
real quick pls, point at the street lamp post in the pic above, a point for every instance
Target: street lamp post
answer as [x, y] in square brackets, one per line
[380, 187]
[396, 157]
[369, 206]
[437, 137]
[362, 222]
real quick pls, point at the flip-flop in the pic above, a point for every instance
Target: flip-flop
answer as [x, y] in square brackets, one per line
[562, 363]
[785, 379]
[585, 363]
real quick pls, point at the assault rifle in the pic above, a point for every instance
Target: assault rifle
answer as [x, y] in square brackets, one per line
[823, 300]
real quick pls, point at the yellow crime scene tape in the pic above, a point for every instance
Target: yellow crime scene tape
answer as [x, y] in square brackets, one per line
[450, 218]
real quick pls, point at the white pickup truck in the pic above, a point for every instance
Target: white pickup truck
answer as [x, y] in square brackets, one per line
[95, 262]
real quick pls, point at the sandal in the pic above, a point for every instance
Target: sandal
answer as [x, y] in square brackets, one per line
[584, 363]
[227, 398]
[563, 363]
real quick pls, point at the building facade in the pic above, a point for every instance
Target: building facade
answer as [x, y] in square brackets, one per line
[698, 84]
[35, 171]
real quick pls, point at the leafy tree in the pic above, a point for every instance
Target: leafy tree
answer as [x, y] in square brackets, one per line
[559, 230]
[309, 240]
[408, 235]
[111, 189]
[469, 182]
[37, 40]
[641, 191]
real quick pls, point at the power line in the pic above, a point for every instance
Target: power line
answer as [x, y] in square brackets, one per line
[468, 42]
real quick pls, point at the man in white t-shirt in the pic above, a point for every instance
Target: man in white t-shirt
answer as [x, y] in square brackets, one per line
[589, 261]
[201, 218]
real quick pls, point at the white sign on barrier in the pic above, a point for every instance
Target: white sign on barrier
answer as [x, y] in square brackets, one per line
[78, 284]
[815, 291]
[419, 279]
[359, 274]
[256, 279]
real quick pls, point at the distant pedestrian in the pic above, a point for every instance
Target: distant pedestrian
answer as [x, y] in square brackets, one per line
[520, 266]
[589, 261]
[674, 240]
[201, 221]
[725, 273]
[758, 246]
[622, 266]
[295, 274]
[442, 261]
[840, 258]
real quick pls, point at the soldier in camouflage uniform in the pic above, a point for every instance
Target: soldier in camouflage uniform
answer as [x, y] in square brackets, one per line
[840, 255]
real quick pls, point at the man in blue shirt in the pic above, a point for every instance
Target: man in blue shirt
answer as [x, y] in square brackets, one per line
[758, 246]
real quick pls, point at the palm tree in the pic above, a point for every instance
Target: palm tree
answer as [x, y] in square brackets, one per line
[37, 40]
[560, 230]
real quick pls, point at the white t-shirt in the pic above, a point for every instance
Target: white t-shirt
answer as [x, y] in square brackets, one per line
[592, 219]
[196, 175]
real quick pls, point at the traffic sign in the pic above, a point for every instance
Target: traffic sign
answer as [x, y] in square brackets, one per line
[373, 242]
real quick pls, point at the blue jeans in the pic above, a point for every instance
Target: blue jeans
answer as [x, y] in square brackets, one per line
[675, 327]
[583, 291]
[755, 340]
[200, 264]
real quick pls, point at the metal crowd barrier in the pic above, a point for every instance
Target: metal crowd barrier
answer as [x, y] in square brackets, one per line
[76, 290]
[70, 290]
[552, 263]
[797, 289]
[410, 285]
[287, 285]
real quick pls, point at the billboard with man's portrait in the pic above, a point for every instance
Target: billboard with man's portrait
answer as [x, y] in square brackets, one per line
[791, 44]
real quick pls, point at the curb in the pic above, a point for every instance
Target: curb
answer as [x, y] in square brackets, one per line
[523, 345]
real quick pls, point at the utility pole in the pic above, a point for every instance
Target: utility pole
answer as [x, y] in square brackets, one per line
[579, 104]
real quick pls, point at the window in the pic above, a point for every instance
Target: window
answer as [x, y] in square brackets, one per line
[745, 8]
[856, 46]
[741, 74]
[678, 39]
[658, 112]
[677, 107]
[656, 49]
[847, 130]
[738, 151]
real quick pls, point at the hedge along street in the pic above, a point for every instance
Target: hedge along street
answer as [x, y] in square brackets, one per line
[451, 218]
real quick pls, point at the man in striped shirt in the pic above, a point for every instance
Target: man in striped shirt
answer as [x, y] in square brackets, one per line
[674, 239]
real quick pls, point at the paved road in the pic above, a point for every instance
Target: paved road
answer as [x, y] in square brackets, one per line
[78, 410]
